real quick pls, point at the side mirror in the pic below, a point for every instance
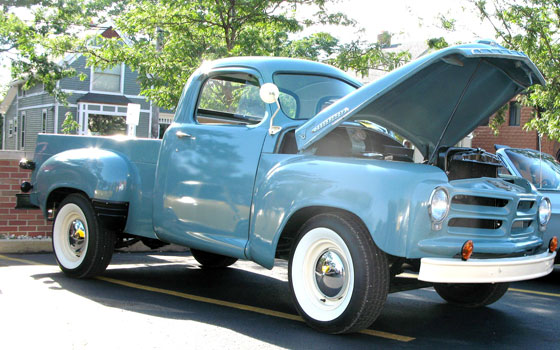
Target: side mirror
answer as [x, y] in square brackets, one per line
[269, 93]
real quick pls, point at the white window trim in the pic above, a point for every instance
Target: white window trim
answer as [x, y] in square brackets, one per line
[84, 112]
[91, 73]
[11, 128]
[138, 97]
[16, 131]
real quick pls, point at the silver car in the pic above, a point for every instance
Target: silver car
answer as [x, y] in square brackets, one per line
[543, 171]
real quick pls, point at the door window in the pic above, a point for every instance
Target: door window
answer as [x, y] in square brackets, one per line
[230, 99]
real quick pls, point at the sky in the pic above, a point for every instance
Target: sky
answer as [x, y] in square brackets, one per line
[413, 20]
[408, 20]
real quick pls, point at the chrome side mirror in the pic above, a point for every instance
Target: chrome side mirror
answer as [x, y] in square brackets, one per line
[269, 93]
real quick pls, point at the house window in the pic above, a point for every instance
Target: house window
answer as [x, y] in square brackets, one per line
[107, 80]
[11, 128]
[514, 113]
[106, 125]
[22, 131]
[44, 121]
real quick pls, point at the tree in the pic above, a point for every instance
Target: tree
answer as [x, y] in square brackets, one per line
[166, 40]
[532, 26]
[70, 125]
[32, 44]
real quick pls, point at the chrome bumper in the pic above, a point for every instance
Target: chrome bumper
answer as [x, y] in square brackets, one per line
[441, 270]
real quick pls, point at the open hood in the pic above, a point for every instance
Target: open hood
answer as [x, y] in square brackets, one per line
[435, 100]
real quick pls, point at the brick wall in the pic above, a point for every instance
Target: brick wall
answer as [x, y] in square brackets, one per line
[17, 222]
[513, 136]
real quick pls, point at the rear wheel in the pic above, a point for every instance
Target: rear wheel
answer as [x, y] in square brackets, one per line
[338, 277]
[82, 247]
[472, 294]
[211, 260]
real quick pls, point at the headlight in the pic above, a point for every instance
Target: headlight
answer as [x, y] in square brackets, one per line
[544, 211]
[439, 204]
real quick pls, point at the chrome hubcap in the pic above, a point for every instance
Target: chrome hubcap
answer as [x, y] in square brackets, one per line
[330, 274]
[76, 237]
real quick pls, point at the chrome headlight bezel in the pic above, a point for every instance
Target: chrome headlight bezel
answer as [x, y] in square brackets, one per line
[544, 212]
[439, 210]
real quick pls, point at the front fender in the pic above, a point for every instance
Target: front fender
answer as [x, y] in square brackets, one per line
[99, 173]
[391, 198]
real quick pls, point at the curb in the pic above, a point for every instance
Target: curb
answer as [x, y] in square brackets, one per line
[25, 246]
[32, 246]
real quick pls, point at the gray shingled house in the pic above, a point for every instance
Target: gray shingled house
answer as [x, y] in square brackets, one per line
[98, 103]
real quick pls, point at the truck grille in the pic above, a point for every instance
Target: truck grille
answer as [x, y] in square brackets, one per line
[475, 200]
[491, 217]
[475, 223]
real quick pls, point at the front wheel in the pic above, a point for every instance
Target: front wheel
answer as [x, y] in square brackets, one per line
[471, 295]
[82, 247]
[338, 277]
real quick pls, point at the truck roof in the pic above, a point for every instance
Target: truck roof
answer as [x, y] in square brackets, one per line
[268, 66]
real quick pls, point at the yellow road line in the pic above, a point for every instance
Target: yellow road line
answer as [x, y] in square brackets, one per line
[534, 292]
[255, 309]
[238, 306]
[28, 262]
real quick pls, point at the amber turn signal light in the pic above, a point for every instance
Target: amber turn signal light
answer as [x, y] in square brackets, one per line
[553, 244]
[466, 250]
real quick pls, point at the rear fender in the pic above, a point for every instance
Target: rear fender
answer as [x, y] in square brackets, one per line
[100, 174]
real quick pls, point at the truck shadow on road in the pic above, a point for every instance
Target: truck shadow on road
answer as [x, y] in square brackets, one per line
[421, 314]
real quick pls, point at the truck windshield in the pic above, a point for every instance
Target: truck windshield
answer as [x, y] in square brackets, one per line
[543, 174]
[302, 96]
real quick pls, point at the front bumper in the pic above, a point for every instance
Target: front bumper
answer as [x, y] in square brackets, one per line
[442, 270]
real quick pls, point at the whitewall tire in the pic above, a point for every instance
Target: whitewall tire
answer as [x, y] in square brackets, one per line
[82, 247]
[338, 277]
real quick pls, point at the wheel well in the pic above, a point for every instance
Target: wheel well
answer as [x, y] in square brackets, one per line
[290, 231]
[57, 196]
[112, 215]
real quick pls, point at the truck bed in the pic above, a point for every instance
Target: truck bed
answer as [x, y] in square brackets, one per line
[141, 154]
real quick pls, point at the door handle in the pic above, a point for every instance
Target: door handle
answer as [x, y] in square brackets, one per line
[182, 135]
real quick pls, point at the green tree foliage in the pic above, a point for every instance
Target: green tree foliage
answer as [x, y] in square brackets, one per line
[69, 125]
[36, 41]
[166, 40]
[532, 26]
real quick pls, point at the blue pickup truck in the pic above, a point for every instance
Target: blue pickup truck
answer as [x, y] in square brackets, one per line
[275, 158]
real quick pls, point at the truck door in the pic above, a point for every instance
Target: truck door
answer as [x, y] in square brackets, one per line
[208, 165]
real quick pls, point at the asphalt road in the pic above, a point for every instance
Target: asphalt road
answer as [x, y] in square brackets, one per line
[166, 301]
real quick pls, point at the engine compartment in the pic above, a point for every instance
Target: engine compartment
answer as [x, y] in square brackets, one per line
[467, 163]
[353, 141]
[376, 143]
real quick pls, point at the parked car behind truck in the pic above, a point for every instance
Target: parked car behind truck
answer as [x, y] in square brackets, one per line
[543, 171]
[308, 179]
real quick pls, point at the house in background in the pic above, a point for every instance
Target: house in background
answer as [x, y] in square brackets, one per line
[98, 103]
[511, 133]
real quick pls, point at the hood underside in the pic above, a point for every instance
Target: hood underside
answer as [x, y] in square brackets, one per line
[435, 100]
